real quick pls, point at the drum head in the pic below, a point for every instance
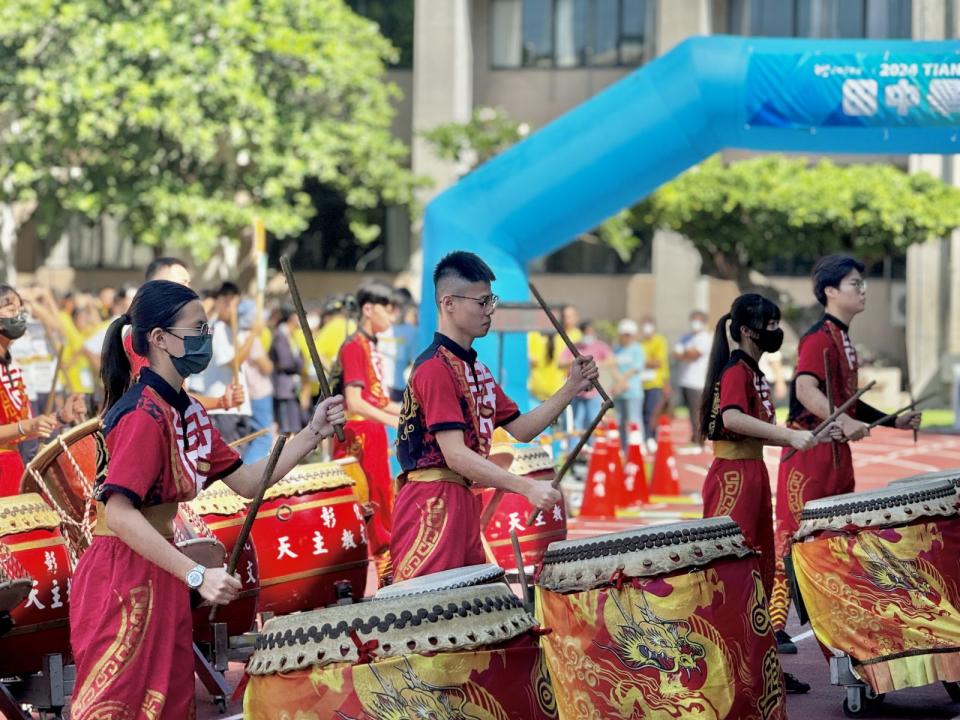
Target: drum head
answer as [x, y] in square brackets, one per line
[895, 505]
[446, 580]
[204, 551]
[13, 592]
[574, 565]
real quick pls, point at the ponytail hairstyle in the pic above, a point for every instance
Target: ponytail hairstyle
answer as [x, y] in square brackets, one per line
[156, 305]
[751, 310]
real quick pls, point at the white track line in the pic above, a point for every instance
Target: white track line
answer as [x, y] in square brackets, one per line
[802, 636]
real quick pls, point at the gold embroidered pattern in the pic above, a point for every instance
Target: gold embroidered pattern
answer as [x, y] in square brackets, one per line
[795, 482]
[729, 493]
[152, 704]
[135, 613]
[433, 521]
[759, 617]
[771, 699]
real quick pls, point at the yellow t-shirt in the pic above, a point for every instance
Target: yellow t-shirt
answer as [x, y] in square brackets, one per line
[546, 375]
[75, 366]
[328, 340]
[655, 348]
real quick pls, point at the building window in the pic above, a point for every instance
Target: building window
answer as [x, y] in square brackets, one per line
[395, 18]
[879, 19]
[570, 33]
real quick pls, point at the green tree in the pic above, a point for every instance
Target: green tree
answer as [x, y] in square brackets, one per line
[187, 118]
[490, 131]
[742, 215]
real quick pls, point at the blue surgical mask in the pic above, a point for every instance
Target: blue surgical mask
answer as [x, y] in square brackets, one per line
[197, 352]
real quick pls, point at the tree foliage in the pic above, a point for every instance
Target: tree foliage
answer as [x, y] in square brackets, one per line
[743, 215]
[187, 118]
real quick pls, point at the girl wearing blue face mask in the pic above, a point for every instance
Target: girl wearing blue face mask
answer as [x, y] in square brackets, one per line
[130, 625]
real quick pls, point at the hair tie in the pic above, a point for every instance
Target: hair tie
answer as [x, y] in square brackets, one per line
[126, 319]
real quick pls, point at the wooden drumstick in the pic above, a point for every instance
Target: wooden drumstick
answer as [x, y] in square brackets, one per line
[568, 463]
[248, 438]
[234, 324]
[308, 335]
[566, 338]
[51, 396]
[252, 509]
[828, 387]
[914, 401]
[518, 559]
[818, 430]
[904, 409]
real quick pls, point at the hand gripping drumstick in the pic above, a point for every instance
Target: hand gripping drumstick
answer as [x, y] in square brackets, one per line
[252, 511]
[566, 338]
[904, 409]
[308, 335]
[835, 414]
[568, 463]
[828, 386]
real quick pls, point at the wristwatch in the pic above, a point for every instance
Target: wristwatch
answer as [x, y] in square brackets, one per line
[195, 577]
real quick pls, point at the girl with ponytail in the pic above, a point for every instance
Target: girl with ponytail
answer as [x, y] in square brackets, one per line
[738, 416]
[130, 604]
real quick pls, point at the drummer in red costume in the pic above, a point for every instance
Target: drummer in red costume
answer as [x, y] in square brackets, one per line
[16, 423]
[738, 416]
[130, 624]
[839, 286]
[450, 408]
[360, 374]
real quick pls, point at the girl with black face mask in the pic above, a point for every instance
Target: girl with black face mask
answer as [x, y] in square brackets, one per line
[738, 416]
[132, 584]
[16, 423]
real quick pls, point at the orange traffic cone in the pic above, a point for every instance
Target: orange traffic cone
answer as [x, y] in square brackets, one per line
[597, 495]
[666, 479]
[615, 474]
[635, 474]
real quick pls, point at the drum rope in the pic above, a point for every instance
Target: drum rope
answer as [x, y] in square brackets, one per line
[12, 569]
[82, 525]
[197, 523]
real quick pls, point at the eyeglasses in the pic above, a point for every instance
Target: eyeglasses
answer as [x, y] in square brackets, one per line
[204, 330]
[858, 285]
[488, 302]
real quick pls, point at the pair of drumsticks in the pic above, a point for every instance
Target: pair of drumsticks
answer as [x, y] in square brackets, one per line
[271, 465]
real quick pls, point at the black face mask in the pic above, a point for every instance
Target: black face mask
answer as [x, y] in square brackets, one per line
[769, 341]
[13, 327]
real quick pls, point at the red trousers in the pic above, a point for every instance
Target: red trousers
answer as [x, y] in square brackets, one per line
[741, 489]
[366, 440]
[804, 477]
[436, 526]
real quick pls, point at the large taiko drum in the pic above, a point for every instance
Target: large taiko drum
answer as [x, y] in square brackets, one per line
[449, 648]
[64, 472]
[309, 535]
[661, 621]
[218, 513]
[877, 573]
[533, 462]
[32, 546]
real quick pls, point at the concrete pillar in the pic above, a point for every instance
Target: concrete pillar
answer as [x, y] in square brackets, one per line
[676, 267]
[929, 19]
[676, 21]
[442, 82]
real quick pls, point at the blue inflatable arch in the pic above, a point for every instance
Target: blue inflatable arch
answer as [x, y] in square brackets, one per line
[705, 95]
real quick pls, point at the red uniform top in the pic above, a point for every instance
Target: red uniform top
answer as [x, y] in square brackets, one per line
[161, 446]
[362, 366]
[14, 403]
[449, 389]
[741, 386]
[832, 337]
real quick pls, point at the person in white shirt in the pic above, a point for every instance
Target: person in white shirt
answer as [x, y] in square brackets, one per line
[691, 354]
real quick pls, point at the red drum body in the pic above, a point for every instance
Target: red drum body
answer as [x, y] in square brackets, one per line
[661, 621]
[533, 462]
[63, 472]
[31, 546]
[309, 534]
[222, 511]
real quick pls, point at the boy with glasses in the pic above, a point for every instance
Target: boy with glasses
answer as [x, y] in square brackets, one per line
[450, 408]
[359, 372]
[839, 286]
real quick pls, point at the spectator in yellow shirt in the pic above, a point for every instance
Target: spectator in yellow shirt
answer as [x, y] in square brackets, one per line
[546, 374]
[656, 378]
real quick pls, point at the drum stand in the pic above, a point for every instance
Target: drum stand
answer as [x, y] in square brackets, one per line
[47, 691]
